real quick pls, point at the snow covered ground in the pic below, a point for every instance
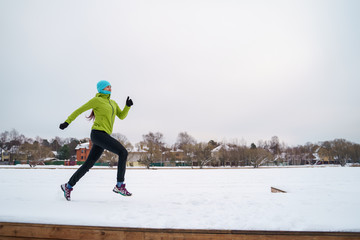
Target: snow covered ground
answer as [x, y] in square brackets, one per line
[318, 199]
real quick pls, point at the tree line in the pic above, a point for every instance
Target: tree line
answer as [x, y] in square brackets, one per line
[188, 151]
[238, 153]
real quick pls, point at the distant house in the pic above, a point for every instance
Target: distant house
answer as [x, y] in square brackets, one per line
[167, 158]
[280, 159]
[83, 150]
[216, 152]
[178, 154]
[4, 156]
[55, 153]
[134, 158]
[321, 156]
[220, 156]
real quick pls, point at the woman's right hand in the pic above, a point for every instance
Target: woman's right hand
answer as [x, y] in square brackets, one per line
[129, 102]
[63, 125]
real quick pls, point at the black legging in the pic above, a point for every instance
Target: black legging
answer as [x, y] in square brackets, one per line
[101, 140]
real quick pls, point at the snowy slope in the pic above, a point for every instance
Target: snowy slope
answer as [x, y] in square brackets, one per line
[318, 199]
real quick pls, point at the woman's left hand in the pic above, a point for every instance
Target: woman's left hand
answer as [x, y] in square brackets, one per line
[129, 102]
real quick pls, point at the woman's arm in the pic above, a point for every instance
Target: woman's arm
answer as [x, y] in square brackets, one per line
[80, 110]
[122, 113]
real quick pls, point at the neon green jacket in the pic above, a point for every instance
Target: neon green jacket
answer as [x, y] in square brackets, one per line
[105, 110]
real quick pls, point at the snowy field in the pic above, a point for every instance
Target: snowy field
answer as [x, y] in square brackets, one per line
[318, 199]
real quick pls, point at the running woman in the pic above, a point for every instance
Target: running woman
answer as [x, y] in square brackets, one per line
[103, 113]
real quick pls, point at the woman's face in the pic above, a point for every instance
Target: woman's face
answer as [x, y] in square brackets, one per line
[108, 88]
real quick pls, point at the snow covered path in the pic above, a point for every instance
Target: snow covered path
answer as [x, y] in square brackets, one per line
[318, 199]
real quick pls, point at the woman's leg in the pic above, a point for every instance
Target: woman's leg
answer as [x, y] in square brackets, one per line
[105, 141]
[94, 155]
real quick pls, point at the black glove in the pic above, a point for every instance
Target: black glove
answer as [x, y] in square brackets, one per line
[129, 102]
[63, 125]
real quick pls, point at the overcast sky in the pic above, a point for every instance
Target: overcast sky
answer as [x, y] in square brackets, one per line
[217, 69]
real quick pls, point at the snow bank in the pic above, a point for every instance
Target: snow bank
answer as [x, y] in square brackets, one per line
[317, 199]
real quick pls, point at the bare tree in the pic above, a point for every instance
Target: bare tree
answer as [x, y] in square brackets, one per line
[341, 151]
[258, 156]
[275, 145]
[237, 155]
[123, 140]
[55, 145]
[4, 138]
[186, 143]
[355, 153]
[14, 135]
[35, 153]
[153, 144]
[202, 154]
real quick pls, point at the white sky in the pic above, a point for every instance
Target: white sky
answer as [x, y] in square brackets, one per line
[218, 69]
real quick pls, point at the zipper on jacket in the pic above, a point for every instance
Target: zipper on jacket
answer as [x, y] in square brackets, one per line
[112, 109]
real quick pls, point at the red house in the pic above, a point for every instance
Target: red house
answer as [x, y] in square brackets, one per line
[83, 150]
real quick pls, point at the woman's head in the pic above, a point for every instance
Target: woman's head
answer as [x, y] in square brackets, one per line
[104, 87]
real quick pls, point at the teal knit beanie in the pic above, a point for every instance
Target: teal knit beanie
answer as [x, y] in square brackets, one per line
[101, 85]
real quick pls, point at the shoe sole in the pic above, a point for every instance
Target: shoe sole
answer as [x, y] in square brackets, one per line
[122, 194]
